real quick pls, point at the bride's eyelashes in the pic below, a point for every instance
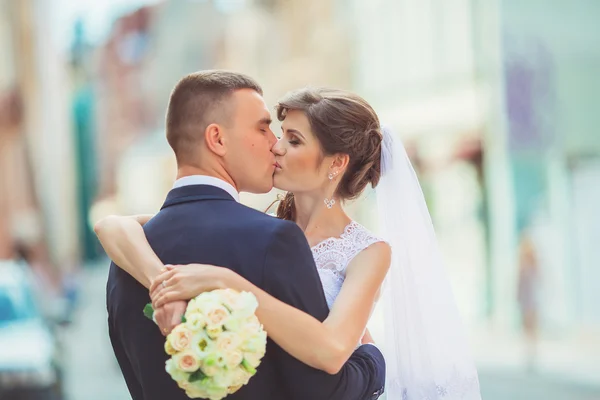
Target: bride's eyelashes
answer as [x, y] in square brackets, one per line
[293, 139]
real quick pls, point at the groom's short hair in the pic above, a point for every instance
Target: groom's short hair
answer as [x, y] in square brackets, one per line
[198, 100]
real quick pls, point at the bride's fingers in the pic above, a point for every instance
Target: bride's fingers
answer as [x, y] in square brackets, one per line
[163, 277]
[168, 297]
[155, 296]
[158, 300]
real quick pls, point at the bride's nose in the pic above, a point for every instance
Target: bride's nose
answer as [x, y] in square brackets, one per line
[278, 149]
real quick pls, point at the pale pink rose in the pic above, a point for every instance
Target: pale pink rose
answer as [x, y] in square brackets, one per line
[217, 315]
[187, 362]
[227, 341]
[180, 338]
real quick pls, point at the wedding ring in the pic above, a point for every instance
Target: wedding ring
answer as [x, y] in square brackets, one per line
[165, 330]
[164, 284]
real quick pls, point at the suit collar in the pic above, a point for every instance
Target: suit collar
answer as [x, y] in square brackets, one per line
[192, 193]
[207, 180]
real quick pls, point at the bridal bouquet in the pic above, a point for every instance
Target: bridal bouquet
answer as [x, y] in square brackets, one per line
[218, 346]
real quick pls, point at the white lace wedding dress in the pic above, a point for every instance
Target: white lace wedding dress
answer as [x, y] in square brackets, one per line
[333, 255]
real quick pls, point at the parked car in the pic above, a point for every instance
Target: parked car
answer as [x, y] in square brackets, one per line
[29, 352]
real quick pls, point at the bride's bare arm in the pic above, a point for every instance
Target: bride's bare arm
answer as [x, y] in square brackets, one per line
[325, 346]
[124, 241]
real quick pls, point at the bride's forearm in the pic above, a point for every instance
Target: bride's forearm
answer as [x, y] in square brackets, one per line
[125, 243]
[298, 333]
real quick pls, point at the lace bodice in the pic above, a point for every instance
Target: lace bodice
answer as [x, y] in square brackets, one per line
[333, 255]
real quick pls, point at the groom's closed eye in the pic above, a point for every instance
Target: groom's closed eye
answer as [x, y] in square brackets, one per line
[265, 124]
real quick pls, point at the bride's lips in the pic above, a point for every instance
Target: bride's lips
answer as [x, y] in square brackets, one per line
[276, 165]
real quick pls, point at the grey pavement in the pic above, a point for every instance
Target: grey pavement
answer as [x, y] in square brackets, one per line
[93, 374]
[511, 385]
[92, 371]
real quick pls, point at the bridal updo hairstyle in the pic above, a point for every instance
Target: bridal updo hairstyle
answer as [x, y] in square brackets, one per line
[343, 122]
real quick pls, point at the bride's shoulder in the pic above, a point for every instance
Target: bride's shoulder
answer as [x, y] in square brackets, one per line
[367, 241]
[373, 253]
[363, 237]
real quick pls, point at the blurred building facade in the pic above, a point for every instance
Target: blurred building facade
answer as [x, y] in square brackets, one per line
[37, 171]
[550, 68]
[417, 63]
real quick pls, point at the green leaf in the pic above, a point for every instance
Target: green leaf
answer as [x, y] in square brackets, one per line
[149, 311]
[183, 319]
[197, 376]
[246, 365]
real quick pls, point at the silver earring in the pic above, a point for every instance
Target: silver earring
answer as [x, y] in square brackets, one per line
[330, 202]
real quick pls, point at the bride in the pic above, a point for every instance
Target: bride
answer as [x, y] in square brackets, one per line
[331, 148]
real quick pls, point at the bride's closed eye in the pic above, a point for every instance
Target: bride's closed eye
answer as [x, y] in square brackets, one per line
[293, 139]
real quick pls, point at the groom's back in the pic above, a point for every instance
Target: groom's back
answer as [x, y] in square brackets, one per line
[202, 224]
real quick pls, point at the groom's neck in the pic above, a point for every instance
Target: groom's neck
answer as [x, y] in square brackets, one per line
[188, 170]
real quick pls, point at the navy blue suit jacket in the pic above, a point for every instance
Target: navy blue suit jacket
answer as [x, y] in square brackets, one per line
[204, 224]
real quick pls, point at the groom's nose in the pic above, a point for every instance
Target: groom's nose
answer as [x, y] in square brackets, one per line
[272, 138]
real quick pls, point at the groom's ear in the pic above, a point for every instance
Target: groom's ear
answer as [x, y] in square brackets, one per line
[215, 139]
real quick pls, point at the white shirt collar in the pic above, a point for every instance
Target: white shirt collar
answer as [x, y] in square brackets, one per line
[207, 180]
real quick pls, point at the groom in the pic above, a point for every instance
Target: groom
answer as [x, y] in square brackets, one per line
[218, 127]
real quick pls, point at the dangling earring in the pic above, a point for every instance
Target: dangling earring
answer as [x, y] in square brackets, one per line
[330, 202]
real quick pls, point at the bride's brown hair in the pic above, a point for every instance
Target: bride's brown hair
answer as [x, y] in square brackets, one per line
[343, 122]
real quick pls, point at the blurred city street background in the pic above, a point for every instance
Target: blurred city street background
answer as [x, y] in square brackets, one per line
[495, 100]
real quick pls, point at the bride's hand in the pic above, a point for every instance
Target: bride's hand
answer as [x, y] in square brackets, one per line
[183, 282]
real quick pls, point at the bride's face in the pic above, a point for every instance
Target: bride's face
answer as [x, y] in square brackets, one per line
[301, 165]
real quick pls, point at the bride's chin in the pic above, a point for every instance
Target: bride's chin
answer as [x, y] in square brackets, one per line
[278, 183]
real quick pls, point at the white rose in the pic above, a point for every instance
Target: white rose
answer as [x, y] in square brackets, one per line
[192, 308]
[255, 343]
[195, 321]
[222, 379]
[239, 376]
[233, 324]
[251, 326]
[213, 331]
[210, 363]
[233, 358]
[253, 359]
[233, 389]
[177, 374]
[168, 348]
[216, 392]
[206, 300]
[228, 297]
[246, 305]
[195, 392]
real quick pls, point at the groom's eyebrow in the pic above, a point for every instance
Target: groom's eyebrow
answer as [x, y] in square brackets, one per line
[265, 121]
